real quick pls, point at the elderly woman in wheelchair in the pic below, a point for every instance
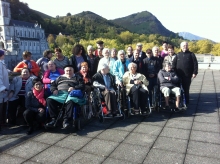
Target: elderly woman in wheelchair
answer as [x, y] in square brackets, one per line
[169, 83]
[105, 82]
[136, 88]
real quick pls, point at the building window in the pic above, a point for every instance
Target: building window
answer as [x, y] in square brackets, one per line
[25, 33]
[25, 43]
[21, 43]
[30, 43]
[33, 34]
[34, 43]
[29, 34]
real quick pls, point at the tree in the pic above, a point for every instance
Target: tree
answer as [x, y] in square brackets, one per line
[216, 49]
[68, 14]
[50, 39]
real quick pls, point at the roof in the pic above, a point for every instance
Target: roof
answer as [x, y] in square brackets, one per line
[21, 23]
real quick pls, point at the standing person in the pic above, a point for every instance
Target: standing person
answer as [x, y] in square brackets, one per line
[129, 52]
[150, 70]
[94, 61]
[61, 61]
[142, 54]
[4, 87]
[114, 54]
[171, 55]
[28, 63]
[42, 62]
[137, 60]
[164, 52]
[156, 53]
[100, 47]
[186, 66]
[79, 56]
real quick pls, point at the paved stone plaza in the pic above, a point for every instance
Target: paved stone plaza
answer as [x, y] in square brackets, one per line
[192, 137]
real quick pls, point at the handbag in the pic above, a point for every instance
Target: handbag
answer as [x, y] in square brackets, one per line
[76, 93]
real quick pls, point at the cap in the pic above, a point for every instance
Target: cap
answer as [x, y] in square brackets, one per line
[99, 42]
[68, 66]
[2, 53]
[139, 44]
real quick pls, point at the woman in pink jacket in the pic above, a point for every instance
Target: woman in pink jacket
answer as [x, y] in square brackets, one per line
[50, 75]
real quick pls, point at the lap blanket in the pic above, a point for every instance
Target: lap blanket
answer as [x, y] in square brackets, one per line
[61, 96]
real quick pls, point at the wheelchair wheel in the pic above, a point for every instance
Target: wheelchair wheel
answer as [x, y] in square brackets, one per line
[122, 116]
[101, 118]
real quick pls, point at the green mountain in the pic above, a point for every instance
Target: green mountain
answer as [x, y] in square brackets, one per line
[143, 23]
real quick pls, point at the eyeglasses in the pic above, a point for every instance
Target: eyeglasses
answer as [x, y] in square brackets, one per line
[38, 84]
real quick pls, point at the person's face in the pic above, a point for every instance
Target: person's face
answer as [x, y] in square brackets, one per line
[49, 56]
[90, 51]
[100, 46]
[28, 57]
[106, 54]
[184, 46]
[170, 51]
[2, 57]
[38, 86]
[168, 67]
[51, 66]
[156, 52]
[113, 53]
[84, 68]
[139, 48]
[122, 56]
[25, 74]
[164, 46]
[129, 51]
[136, 54]
[58, 54]
[69, 71]
[133, 69]
[149, 54]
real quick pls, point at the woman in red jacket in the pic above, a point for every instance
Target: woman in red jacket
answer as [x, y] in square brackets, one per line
[28, 63]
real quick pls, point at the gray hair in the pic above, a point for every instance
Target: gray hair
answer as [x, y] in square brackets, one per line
[181, 44]
[90, 47]
[51, 61]
[131, 64]
[120, 52]
[103, 66]
[103, 51]
[155, 47]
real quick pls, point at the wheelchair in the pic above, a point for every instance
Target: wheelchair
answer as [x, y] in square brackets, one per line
[130, 111]
[98, 104]
[158, 100]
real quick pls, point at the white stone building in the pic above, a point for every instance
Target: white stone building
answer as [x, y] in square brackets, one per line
[18, 36]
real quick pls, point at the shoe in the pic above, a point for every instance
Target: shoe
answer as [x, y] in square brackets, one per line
[66, 124]
[51, 124]
[143, 112]
[30, 130]
[109, 115]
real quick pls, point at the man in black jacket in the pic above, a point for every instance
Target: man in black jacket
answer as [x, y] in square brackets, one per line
[106, 82]
[150, 70]
[142, 54]
[137, 60]
[186, 66]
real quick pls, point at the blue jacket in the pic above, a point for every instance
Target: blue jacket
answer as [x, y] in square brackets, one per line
[118, 69]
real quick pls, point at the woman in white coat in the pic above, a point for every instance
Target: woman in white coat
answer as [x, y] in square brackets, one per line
[4, 86]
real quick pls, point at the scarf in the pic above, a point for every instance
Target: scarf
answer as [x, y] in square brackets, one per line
[40, 96]
[28, 63]
[84, 74]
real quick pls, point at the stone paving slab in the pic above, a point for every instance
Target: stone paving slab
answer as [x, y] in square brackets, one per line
[190, 137]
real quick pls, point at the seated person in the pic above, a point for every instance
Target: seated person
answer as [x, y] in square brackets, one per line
[136, 87]
[28, 63]
[35, 105]
[106, 82]
[84, 72]
[18, 90]
[169, 84]
[50, 75]
[60, 88]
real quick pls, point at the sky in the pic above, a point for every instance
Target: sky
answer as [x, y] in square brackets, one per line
[200, 18]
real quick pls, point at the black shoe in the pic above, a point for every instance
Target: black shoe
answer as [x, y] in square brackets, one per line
[143, 112]
[66, 124]
[109, 115]
[167, 108]
[51, 124]
[30, 130]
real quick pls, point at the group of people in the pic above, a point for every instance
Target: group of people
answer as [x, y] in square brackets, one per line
[45, 84]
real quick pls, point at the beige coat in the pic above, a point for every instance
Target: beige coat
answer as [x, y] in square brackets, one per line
[127, 78]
